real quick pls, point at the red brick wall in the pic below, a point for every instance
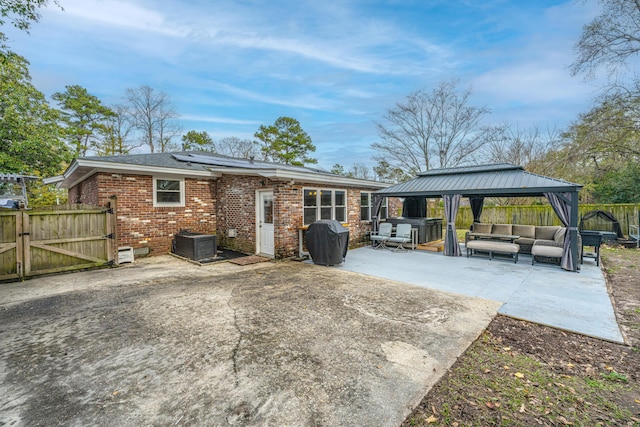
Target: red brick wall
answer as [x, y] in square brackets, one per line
[394, 206]
[212, 206]
[288, 218]
[237, 209]
[140, 224]
[85, 192]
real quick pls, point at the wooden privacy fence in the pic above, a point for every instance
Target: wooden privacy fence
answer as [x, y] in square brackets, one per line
[57, 239]
[625, 213]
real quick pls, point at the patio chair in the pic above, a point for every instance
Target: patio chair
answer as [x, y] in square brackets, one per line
[403, 236]
[384, 233]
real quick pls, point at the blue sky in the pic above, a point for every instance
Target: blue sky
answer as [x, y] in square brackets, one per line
[334, 65]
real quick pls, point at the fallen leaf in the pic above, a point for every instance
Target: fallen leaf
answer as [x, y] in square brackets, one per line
[518, 375]
[569, 365]
[637, 400]
[490, 405]
[431, 420]
[505, 367]
[559, 385]
[115, 393]
[609, 368]
[433, 409]
[564, 421]
[522, 409]
[506, 348]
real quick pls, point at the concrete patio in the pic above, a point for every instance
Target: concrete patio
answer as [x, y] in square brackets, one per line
[542, 293]
[165, 342]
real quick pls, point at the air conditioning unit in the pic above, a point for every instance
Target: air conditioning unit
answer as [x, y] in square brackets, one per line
[195, 246]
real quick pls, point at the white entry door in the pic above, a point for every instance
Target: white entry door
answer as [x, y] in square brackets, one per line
[265, 230]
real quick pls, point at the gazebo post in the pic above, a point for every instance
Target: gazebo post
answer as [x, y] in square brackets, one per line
[573, 229]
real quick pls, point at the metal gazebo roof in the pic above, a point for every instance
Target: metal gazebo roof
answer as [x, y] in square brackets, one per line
[498, 180]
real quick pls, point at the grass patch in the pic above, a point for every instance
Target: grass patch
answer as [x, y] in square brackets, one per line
[494, 385]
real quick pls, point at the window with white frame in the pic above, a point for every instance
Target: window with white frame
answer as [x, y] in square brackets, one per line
[168, 192]
[366, 207]
[320, 203]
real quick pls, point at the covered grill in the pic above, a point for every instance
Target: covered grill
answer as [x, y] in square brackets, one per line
[327, 242]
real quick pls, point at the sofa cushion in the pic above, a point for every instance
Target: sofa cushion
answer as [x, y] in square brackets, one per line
[493, 246]
[525, 241]
[479, 227]
[501, 229]
[546, 232]
[546, 251]
[528, 231]
[559, 235]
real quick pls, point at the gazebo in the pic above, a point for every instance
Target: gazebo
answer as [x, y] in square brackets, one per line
[492, 180]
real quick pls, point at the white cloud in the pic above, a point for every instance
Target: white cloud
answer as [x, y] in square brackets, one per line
[222, 120]
[120, 13]
[310, 101]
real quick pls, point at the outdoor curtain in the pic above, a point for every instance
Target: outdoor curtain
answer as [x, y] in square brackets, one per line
[414, 207]
[476, 203]
[561, 203]
[451, 204]
[375, 215]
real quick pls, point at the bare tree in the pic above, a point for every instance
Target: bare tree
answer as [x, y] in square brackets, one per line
[511, 144]
[154, 115]
[430, 130]
[360, 171]
[236, 147]
[610, 39]
[116, 139]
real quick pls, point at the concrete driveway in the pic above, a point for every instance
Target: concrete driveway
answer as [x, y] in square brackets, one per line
[164, 342]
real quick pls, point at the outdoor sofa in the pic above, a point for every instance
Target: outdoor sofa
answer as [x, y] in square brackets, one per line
[543, 242]
[528, 233]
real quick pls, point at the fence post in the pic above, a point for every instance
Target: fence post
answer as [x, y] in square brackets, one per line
[112, 225]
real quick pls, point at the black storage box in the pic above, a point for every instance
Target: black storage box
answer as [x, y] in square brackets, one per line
[195, 246]
[327, 242]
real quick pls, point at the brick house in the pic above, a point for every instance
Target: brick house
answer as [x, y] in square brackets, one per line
[252, 206]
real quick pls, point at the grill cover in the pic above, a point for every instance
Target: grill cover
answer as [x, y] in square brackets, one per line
[327, 242]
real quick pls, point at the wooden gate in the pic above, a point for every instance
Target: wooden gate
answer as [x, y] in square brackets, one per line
[64, 238]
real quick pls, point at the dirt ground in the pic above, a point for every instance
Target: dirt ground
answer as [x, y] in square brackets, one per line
[267, 345]
[523, 374]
